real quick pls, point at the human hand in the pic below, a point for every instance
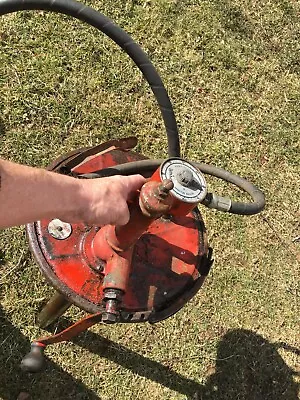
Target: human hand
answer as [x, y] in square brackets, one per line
[104, 201]
[30, 194]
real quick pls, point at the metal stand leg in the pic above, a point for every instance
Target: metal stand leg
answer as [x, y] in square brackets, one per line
[55, 307]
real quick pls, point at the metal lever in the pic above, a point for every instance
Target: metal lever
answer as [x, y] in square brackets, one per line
[34, 361]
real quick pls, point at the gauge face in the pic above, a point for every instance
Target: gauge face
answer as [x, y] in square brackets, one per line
[189, 182]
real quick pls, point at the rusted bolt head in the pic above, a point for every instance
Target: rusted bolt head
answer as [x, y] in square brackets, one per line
[109, 318]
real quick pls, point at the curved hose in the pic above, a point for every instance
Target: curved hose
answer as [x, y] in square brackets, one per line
[120, 37]
[212, 201]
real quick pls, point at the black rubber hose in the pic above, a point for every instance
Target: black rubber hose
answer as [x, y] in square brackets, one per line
[94, 18]
[120, 37]
[149, 166]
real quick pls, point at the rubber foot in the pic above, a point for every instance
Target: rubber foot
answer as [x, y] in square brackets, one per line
[34, 361]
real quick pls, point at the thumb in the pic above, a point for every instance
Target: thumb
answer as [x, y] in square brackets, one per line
[134, 182]
[123, 217]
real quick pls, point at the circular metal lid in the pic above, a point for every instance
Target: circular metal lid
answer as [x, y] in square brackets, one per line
[167, 262]
[189, 182]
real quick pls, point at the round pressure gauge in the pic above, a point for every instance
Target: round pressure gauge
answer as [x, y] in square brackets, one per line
[189, 182]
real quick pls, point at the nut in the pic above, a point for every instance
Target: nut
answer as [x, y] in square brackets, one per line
[113, 294]
[109, 318]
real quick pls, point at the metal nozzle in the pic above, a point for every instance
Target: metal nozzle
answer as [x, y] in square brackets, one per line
[164, 188]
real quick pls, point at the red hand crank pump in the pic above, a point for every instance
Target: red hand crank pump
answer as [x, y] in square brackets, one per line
[111, 267]
[150, 268]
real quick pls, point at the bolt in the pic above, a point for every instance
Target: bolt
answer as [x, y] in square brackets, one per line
[59, 230]
[109, 318]
[112, 298]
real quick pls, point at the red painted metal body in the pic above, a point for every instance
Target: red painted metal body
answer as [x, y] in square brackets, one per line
[158, 274]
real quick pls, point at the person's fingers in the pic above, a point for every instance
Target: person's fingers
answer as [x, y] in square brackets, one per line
[105, 199]
[134, 182]
[124, 215]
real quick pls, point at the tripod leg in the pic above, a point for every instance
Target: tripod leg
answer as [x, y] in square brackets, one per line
[55, 307]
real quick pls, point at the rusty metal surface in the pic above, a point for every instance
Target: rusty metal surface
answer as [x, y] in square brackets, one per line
[54, 308]
[71, 331]
[75, 158]
[166, 261]
[155, 199]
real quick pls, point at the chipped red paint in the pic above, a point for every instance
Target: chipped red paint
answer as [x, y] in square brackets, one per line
[161, 267]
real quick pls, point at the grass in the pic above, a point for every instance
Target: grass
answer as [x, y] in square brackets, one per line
[232, 71]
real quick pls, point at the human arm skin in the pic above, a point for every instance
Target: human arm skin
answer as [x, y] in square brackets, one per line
[30, 194]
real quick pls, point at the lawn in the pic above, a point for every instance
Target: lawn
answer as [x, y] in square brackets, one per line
[232, 70]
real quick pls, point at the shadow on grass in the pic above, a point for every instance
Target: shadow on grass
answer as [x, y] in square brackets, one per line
[234, 17]
[247, 367]
[2, 257]
[54, 383]
[2, 128]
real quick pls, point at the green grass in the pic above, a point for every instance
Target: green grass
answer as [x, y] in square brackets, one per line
[232, 69]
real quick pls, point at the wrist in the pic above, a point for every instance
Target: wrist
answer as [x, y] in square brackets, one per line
[70, 199]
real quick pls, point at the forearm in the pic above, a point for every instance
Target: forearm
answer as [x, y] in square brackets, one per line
[29, 194]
